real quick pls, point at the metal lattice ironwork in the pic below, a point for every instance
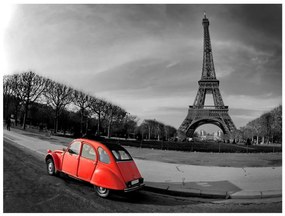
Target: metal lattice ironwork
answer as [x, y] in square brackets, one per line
[199, 114]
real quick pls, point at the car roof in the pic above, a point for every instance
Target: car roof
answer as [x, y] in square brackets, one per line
[99, 142]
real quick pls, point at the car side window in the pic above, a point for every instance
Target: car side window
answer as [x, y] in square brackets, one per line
[103, 156]
[88, 152]
[74, 148]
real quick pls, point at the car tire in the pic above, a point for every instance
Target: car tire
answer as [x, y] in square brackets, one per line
[50, 167]
[102, 192]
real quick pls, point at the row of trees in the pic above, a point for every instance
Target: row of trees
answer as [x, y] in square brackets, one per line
[265, 129]
[152, 129]
[42, 102]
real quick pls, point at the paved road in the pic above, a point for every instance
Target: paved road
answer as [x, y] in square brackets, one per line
[27, 188]
[245, 182]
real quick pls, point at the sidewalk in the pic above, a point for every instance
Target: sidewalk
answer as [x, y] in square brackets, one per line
[186, 180]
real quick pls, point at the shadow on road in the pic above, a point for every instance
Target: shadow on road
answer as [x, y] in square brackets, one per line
[140, 197]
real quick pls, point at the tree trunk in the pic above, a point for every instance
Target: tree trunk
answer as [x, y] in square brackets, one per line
[98, 125]
[27, 106]
[25, 114]
[109, 129]
[86, 126]
[81, 121]
[6, 107]
[56, 122]
[257, 140]
[16, 113]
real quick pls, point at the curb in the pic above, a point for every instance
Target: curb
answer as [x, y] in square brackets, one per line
[256, 194]
[166, 189]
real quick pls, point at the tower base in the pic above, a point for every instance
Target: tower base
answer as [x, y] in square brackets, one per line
[198, 116]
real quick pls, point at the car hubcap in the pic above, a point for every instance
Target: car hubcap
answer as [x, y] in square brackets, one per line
[102, 190]
[50, 168]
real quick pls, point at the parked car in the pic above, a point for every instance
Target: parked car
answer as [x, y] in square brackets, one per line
[107, 166]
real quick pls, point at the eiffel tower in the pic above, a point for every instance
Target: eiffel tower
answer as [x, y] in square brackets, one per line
[199, 114]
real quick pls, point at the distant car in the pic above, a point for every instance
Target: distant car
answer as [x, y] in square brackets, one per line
[106, 166]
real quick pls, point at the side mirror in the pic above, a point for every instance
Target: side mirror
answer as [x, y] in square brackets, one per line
[70, 151]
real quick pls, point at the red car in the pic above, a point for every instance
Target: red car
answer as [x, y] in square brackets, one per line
[106, 166]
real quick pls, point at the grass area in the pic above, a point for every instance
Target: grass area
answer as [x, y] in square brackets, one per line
[240, 158]
[209, 159]
[205, 146]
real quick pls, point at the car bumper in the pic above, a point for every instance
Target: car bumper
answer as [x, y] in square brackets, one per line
[134, 188]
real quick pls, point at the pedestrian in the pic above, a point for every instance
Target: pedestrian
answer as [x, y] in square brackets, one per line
[248, 142]
[8, 123]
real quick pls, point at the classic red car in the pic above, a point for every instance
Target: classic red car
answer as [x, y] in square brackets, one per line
[106, 166]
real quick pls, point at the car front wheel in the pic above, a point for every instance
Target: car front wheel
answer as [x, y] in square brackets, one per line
[101, 191]
[50, 167]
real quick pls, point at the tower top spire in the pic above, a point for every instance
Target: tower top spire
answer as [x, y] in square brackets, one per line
[208, 71]
[205, 19]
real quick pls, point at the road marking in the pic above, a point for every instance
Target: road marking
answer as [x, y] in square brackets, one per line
[8, 138]
[203, 184]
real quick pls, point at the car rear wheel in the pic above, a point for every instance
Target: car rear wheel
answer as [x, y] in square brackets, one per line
[101, 191]
[50, 167]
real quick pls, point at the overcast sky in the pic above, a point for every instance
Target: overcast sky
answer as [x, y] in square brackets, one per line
[148, 58]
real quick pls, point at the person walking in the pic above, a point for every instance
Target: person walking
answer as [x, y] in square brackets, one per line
[8, 123]
[248, 142]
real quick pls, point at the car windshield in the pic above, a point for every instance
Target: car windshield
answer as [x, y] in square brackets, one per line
[121, 155]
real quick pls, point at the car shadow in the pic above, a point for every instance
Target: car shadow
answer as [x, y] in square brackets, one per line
[140, 197]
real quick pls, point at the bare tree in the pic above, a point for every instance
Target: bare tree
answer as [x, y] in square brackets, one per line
[151, 125]
[114, 113]
[58, 97]
[268, 126]
[7, 93]
[129, 124]
[266, 120]
[169, 131]
[256, 129]
[81, 100]
[29, 89]
[142, 129]
[277, 124]
[98, 106]
[7, 85]
[11, 90]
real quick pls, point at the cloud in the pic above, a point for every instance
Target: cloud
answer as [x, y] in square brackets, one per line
[261, 104]
[172, 64]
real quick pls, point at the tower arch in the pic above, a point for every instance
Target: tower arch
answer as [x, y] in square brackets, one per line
[200, 122]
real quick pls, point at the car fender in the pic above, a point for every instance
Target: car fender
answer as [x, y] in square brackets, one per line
[105, 177]
[56, 160]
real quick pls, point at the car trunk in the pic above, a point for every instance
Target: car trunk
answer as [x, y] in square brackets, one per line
[129, 170]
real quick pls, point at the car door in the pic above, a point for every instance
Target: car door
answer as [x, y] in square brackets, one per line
[87, 162]
[71, 158]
